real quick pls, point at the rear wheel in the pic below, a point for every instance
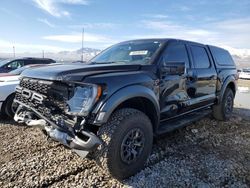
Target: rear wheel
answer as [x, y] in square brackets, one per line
[223, 111]
[127, 142]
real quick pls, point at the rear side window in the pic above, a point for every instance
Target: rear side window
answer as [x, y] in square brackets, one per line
[28, 62]
[42, 62]
[38, 61]
[176, 53]
[200, 57]
[51, 61]
[221, 56]
[47, 61]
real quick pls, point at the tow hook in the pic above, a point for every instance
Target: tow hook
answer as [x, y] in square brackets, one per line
[22, 116]
[26, 117]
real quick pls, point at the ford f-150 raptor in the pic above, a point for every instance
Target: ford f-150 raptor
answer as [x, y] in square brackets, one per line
[111, 108]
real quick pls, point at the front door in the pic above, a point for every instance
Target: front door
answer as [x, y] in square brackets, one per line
[173, 87]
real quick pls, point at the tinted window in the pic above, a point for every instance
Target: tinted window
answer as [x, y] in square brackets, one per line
[50, 61]
[15, 64]
[28, 62]
[221, 56]
[176, 53]
[37, 61]
[200, 57]
[41, 62]
[47, 62]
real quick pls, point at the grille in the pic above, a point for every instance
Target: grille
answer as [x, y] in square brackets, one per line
[39, 86]
[40, 108]
[55, 94]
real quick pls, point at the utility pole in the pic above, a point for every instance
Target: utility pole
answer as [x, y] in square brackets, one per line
[82, 42]
[14, 52]
[43, 53]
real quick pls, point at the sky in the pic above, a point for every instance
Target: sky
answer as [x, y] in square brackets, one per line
[56, 25]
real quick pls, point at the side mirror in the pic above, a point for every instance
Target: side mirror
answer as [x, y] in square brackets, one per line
[174, 68]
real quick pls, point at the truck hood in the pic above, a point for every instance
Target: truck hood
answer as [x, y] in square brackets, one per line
[75, 72]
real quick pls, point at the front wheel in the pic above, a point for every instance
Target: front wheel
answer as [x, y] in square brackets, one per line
[10, 106]
[223, 111]
[127, 142]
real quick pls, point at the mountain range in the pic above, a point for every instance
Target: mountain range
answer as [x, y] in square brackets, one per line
[240, 56]
[66, 56]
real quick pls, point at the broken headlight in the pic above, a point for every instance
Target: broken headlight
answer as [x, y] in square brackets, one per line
[83, 99]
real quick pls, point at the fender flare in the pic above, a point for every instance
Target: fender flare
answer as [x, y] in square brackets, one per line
[121, 96]
[228, 80]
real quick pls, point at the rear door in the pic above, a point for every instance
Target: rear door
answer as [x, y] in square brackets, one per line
[204, 76]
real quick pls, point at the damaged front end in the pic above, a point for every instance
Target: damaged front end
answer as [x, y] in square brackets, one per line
[61, 110]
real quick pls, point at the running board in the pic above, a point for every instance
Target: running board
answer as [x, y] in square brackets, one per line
[182, 121]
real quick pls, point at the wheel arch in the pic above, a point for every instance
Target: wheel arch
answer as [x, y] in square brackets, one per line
[230, 82]
[232, 86]
[138, 97]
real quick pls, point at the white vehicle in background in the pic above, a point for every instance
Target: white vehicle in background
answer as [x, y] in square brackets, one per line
[244, 74]
[8, 83]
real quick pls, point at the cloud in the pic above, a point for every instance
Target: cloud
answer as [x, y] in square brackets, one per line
[7, 47]
[156, 16]
[45, 21]
[53, 6]
[74, 2]
[168, 29]
[100, 25]
[231, 32]
[161, 26]
[234, 25]
[77, 38]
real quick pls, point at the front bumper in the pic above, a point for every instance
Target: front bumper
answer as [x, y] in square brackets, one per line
[81, 142]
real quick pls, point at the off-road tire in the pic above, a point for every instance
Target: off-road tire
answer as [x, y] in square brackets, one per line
[220, 111]
[108, 155]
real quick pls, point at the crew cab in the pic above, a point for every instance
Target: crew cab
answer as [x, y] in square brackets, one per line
[111, 108]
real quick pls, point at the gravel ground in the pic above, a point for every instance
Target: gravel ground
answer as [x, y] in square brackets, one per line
[207, 153]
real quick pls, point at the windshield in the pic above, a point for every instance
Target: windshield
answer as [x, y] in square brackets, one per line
[133, 52]
[3, 62]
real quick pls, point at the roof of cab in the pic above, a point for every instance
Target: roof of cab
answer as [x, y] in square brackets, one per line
[163, 40]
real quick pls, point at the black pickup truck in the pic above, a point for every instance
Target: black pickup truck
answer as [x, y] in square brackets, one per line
[111, 108]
